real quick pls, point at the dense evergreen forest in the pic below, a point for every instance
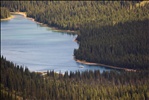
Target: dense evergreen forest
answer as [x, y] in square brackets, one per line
[73, 14]
[5, 13]
[124, 44]
[110, 32]
[18, 83]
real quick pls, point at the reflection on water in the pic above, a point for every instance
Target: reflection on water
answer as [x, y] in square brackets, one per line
[39, 48]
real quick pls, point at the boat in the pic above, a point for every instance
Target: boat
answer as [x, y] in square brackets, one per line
[81, 66]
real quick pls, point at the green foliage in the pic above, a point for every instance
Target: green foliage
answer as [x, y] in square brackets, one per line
[124, 44]
[117, 85]
[4, 13]
[73, 14]
[111, 32]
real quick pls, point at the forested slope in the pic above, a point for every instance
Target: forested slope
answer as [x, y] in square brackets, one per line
[18, 83]
[110, 32]
[124, 44]
[5, 13]
[73, 14]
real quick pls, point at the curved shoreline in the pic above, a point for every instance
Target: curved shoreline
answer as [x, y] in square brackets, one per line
[19, 13]
[52, 28]
[69, 31]
[103, 65]
[8, 18]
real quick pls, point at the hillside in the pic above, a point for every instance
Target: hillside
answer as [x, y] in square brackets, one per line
[125, 45]
[124, 42]
[18, 83]
[72, 15]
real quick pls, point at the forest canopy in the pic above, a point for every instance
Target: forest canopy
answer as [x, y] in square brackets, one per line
[4, 13]
[110, 32]
[73, 14]
[18, 83]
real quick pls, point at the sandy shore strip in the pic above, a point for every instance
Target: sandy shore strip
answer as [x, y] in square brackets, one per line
[14, 13]
[108, 66]
[52, 28]
[7, 18]
[19, 13]
[68, 31]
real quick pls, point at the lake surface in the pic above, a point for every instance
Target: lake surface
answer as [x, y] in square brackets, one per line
[27, 43]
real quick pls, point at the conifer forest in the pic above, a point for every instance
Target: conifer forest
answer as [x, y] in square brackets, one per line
[114, 33]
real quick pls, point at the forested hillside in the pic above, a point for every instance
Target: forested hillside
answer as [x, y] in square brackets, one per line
[18, 83]
[5, 13]
[110, 32]
[124, 44]
[72, 15]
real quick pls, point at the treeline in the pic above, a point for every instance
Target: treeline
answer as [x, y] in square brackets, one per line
[124, 44]
[111, 32]
[73, 14]
[4, 13]
[18, 83]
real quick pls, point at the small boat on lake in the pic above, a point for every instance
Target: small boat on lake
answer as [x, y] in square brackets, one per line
[81, 66]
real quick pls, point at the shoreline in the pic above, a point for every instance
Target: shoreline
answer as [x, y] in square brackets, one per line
[61, 30]
[43, 73]
[52, 28]
[19, 13]
[68, 31]
[103, 65]
[8, 18]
